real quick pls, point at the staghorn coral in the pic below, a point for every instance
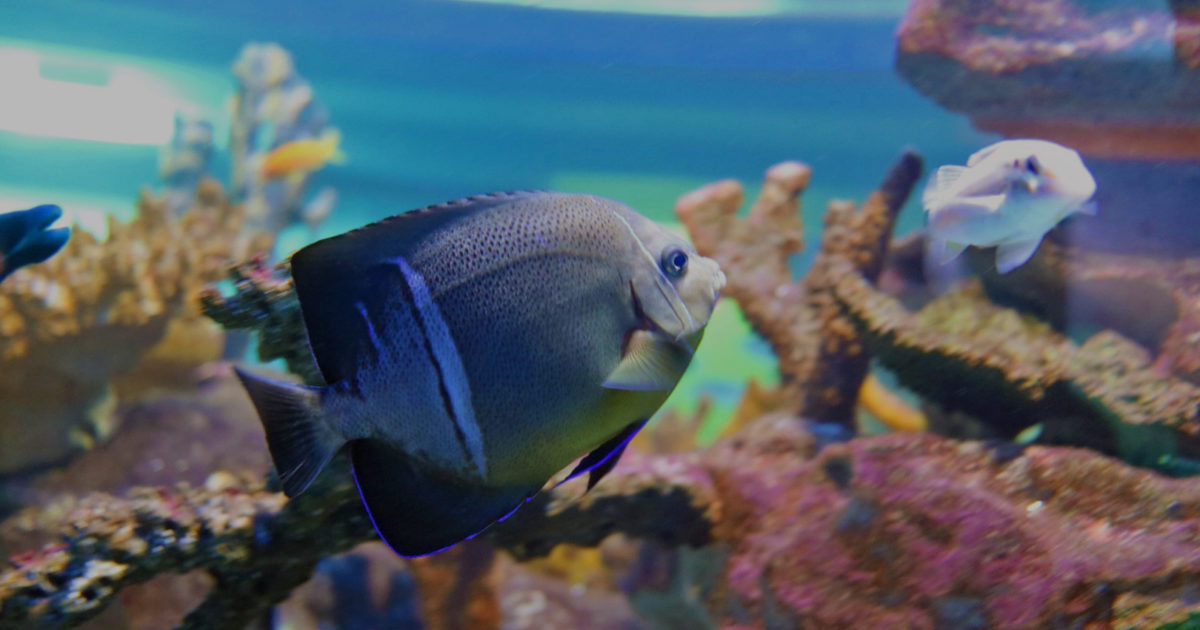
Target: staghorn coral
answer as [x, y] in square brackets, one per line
[902, 529]
[70, 325]
[821, 359]
[1012, 371]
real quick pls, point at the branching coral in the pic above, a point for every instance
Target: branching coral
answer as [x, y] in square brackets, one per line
[1012, 370]
[183, 161]
[1154, 301]
[273, 105]
[820, 357]
[68, 326]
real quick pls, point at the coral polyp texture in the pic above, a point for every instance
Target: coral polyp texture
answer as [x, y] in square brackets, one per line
[821, 359]
[264, 301]
[68, 327]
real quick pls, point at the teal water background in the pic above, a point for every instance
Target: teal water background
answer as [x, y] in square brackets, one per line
[439, 99]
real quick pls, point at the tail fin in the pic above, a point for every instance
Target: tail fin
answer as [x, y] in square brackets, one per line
[300, 438]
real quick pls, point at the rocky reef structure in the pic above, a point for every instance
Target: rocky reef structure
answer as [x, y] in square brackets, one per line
[1097, 76]
[1152, 300]
[106, 315]
[1013, 371]
[273, 106]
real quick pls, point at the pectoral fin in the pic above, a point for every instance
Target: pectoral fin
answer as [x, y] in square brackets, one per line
[650, 363]
[941, 182]
[1009, 256]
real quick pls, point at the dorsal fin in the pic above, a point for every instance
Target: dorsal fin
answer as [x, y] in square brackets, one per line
[940, 183]
[979, 155]
[339, 278]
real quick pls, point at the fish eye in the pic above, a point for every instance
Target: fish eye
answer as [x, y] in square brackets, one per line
[1032, 165]
[674, 262]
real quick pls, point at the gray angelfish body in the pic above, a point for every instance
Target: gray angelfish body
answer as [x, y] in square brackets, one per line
[474, 349]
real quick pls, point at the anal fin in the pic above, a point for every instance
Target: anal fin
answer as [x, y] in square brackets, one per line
[418, 512]
[650, 362]
[1009, 256]
[298, 434]
[944, 251]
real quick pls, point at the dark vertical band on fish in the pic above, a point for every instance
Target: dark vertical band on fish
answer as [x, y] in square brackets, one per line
[443, 355]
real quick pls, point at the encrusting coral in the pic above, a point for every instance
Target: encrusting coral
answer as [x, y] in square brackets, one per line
[70, 326]
[821, 359]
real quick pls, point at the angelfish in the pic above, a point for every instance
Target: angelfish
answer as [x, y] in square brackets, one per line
[1008, 195]
[474, 349]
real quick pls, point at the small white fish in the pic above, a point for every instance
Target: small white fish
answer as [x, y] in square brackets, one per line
[1008, 196]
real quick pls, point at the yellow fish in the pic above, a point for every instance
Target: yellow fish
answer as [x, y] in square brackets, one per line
[303, 156]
